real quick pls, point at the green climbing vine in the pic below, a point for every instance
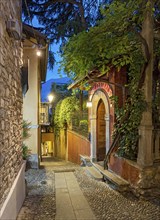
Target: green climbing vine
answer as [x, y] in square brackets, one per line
[135, 105]
[64, 112]
[128, 130]
[117, 41]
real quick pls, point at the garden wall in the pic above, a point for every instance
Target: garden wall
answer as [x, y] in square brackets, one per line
[143, 180]
[77, 145]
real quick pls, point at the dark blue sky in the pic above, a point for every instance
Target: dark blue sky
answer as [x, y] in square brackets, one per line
[52, 74]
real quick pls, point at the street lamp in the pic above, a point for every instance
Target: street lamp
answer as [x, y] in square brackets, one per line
[50, 97]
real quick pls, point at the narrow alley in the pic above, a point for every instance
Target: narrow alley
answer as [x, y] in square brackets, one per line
[79, 110]
[63, 191]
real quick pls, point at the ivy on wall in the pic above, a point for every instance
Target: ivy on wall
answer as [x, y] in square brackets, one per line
[64, 112]
[128, 117]
[117, 41]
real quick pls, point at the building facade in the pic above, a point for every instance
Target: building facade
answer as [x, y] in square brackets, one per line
[142, 177]
[35, 66]
[142, 173]
[12, 183]
[102, 112]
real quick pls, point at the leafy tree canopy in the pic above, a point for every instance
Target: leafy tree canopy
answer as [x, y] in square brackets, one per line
[61, 19]
[114, 41]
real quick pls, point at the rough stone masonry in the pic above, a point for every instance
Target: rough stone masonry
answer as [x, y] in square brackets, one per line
[10, 99]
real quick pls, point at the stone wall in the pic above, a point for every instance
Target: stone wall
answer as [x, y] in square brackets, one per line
[10, 99]
[143, 180]
[149, 181]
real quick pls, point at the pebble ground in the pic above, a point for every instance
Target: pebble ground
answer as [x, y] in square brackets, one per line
[109, 204]
[106, 203]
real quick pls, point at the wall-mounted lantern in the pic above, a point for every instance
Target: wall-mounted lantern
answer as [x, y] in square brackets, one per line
[38, 53]
[13, 29]
[89, 104]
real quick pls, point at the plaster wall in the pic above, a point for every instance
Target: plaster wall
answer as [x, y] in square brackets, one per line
[15, 198]
[47, 137]
[31, 99]
[60, 144]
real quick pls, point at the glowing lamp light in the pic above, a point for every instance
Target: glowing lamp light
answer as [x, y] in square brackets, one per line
[89, 104]
[50, 98]
[38, 53]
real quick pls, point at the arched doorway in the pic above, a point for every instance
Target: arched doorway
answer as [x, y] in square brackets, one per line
[100, 103]
[101, 131]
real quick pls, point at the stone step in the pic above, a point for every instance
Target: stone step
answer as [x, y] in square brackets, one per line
[118, 183]
[85, 160]
[110, 177]
[94, 173]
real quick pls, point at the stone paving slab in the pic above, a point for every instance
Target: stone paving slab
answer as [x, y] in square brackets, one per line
[70, 201]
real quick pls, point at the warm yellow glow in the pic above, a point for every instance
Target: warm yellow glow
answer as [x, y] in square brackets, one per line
[89, 104]
[50, 97]
[38, 53]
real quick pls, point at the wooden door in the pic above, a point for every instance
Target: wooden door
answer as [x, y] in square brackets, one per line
[101, 132]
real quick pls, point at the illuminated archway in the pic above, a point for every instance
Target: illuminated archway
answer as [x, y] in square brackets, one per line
[96, 98]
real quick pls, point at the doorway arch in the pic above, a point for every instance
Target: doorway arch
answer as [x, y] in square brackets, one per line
[99, 99]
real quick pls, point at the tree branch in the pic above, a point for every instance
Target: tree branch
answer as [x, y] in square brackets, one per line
[73, 2]
[50, 2]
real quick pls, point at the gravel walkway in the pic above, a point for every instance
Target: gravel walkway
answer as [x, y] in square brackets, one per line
[104, 201]
[40, 200]
[110, 204]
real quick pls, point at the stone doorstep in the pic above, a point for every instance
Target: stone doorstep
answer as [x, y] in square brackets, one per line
[94, 173]
[120, 184]
[85, 160]
[63, 170]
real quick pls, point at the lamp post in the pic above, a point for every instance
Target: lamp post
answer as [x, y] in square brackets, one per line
[50, 98]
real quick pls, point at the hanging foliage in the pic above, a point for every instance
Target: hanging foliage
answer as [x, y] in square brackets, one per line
[64, 112]
[117, 41]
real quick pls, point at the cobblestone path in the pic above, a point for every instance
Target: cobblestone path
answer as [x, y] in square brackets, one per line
[109, 204]
[40, 200]
[105, 202]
